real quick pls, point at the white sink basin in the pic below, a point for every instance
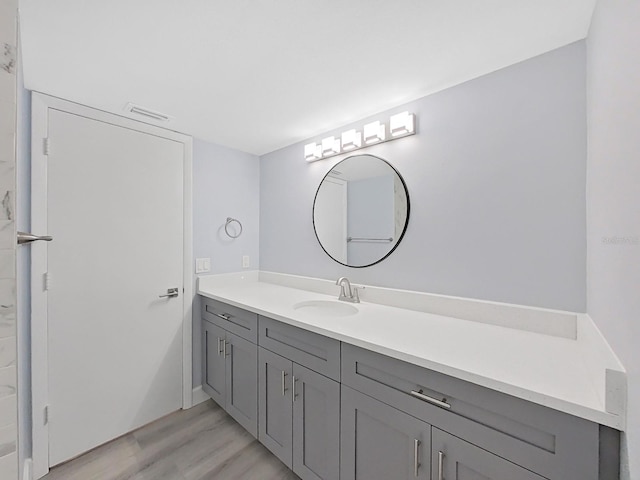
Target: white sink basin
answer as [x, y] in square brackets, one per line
[326, 308]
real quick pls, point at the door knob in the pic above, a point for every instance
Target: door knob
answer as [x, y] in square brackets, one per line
[171, 292]
[29, 237]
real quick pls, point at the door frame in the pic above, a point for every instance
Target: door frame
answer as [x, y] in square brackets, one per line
[41, 103]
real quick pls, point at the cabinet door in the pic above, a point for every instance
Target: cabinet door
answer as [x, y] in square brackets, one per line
[455, 459]
[213, 372]
[316, 425]
[242, 382]
[379, 442]
[275, 406]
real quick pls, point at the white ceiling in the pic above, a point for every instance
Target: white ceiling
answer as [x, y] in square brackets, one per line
[258, 75]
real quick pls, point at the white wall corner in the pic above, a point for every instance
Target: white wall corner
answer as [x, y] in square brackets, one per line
[199, 396]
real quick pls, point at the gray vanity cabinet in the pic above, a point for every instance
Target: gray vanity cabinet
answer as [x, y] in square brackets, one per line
[380, 442]
[231, 374]
[334, 411]
[454, 459]
[230, 361]
[299, 404]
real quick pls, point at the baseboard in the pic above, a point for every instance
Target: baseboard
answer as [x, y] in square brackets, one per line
[199, 396]
[27, 472]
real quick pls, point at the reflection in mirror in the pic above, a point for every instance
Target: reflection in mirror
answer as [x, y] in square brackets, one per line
[361, 211]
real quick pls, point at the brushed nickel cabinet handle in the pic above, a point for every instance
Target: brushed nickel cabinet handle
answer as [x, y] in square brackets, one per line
[440, 465]
[284, 387]
[222, 316]
[224, 348]
[219, 346]
[293, 388]
[416, 451]
[426, 398]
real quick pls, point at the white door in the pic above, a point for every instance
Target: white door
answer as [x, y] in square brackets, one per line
[115, 211]
[330, 217]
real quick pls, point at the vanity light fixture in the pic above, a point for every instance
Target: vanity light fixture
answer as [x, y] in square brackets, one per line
[351, 139]
[402, 124]
[330, 146]
[374, 132]
[312, 151]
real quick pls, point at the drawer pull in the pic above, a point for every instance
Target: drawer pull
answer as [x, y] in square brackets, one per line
[441, 403]
[416, 463]
[440, 466]
[222, 316]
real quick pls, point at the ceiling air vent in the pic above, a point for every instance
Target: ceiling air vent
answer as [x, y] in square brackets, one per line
[145, 112]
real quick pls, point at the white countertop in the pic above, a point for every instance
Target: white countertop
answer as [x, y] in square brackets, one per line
[545, 369]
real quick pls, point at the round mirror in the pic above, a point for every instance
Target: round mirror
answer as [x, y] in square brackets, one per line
[361, 211]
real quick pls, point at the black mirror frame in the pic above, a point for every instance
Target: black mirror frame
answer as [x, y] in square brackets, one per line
[406, 222]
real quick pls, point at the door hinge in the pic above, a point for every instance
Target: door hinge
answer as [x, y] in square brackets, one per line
[47, 281]
[46, 415]
[45, 146]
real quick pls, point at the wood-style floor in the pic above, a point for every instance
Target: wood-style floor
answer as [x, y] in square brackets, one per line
[202, 443]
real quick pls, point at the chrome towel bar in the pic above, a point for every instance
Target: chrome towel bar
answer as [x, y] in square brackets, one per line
[365, 239]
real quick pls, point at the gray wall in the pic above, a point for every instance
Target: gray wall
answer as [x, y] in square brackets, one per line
[226, 183]
[613, 197]
[496, 176]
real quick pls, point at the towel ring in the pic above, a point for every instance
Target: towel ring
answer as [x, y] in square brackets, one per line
[226, 227]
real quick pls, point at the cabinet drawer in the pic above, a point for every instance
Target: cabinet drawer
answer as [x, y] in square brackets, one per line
[547, 441]
[316, 352]
[233, 319]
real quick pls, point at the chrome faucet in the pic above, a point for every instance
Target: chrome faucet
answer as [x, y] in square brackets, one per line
[347, 293]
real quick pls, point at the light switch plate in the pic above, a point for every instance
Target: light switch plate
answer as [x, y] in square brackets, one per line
[203, 265]
[245, 261]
